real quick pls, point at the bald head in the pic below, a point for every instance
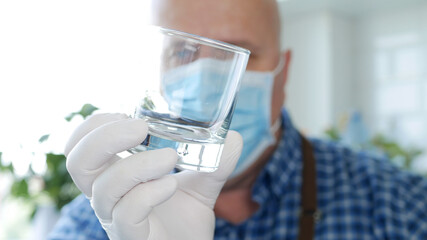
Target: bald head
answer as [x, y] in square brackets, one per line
[253, 24]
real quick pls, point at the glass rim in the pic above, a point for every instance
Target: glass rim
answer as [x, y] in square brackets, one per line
[204, 40]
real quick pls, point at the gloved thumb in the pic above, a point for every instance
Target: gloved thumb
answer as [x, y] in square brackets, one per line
[206, 186]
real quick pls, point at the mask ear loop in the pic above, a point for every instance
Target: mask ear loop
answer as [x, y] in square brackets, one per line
[279, 66]
[278, 123]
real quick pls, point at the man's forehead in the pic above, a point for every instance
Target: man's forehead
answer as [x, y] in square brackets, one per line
[235, 21]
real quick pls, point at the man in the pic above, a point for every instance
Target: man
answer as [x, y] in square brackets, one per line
[281, 194]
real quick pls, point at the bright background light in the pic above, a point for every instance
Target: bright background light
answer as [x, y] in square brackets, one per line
[56, 56]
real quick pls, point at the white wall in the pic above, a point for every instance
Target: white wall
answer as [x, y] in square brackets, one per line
[308, 90]
[343, 63]
[320, 81]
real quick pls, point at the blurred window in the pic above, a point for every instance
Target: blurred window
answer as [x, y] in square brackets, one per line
[401, 87]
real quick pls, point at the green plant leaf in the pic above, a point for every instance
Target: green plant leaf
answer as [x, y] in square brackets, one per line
[70, 117]
[5, 168]
[58, 183]
[20, 189]
[8, 167]
[44, 138]
[33, 212]
[56, 163]
[85, 111]
[333, 133]
[393, 150]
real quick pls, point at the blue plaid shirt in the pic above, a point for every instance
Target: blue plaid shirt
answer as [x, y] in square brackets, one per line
[359, 197]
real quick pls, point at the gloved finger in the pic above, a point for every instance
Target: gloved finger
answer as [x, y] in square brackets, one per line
[125, 174]
[206, 186]
[93, 152]
[89, 125]
[130, 215]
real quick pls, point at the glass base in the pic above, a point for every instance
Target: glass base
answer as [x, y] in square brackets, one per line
[201, 157]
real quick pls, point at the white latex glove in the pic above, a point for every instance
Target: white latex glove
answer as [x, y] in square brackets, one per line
[135, 197]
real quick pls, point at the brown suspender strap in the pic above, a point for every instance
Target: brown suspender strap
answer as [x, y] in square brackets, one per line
[308, 213]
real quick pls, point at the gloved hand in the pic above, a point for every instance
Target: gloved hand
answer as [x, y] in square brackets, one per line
[135, 197]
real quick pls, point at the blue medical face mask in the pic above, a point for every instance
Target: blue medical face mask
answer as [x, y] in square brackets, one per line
[252, 116]
[191, 89]
[252, 112]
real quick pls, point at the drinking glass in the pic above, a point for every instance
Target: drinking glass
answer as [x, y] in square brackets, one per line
[188, 95]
